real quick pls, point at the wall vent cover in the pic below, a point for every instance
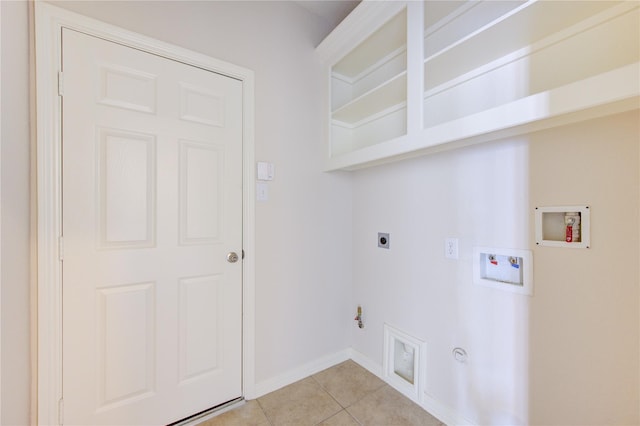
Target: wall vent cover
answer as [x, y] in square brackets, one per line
[404, 363]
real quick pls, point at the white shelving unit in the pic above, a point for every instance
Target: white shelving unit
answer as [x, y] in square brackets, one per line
[369, 87]
[413, 77]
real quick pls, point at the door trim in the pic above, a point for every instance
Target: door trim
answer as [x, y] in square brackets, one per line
[49, 21]
[0, 232]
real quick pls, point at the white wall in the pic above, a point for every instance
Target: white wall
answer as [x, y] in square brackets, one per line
[302, 233]
[567, 355]
[584, 334]
[479, 195]
[15, 214]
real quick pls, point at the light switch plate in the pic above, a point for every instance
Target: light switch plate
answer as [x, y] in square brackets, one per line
[262, 191]
[265, 171]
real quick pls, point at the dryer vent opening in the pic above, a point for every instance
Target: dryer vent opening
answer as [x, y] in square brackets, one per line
[404, 362]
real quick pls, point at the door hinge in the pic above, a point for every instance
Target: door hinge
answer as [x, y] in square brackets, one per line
[242, 254]
[61, 411]
[60, 83]
[60, 248]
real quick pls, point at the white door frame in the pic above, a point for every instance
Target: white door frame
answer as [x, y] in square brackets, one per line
[0, 234]
[49, 21]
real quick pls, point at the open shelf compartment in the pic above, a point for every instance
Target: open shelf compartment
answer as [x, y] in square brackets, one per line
[463, 78]
[369, 89]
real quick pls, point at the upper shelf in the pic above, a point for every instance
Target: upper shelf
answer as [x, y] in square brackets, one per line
[388, 94]
[616, 91]
[451, 54]
[571, 54]
[369, 87]
[610, 93]
[368, 17]
[448, 22]
[473, 71]
[382, 43]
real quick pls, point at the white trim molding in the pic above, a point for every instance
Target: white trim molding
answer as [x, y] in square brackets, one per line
[299, 373]
[49, 21]
[0, 229]
[411, 383]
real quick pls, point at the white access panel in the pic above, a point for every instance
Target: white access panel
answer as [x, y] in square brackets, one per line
[503, 269]
[404, 363]
[552, 226]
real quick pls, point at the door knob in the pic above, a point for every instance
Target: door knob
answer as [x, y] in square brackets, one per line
[232, 257]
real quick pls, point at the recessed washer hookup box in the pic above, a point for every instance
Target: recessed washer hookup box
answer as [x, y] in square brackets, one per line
[503, 269]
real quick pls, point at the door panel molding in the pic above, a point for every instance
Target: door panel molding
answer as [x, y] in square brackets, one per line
[49, 21]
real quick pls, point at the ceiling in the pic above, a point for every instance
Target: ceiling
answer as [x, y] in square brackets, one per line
[332, 11]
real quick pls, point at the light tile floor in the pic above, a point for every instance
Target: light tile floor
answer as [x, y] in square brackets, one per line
[343, 395]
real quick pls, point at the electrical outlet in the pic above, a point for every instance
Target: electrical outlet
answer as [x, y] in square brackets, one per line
[451, 248]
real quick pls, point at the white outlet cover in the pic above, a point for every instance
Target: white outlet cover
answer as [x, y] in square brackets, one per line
[451, 248]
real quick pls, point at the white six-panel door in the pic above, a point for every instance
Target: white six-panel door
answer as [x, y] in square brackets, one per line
[152, 205]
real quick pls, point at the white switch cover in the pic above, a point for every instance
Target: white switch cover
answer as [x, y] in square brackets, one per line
[266, 171]
[262, 191]
[451, 248]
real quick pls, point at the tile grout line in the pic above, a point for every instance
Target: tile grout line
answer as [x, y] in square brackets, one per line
[338, 402]
[339, 380]
[264, 412]
[331, 396]
[382, 384]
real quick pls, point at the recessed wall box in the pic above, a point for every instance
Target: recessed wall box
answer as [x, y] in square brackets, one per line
[563, 226]
[383, 240]
[503, 269]
[404, 363]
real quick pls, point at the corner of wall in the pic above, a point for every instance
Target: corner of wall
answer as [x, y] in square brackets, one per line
[297, 373]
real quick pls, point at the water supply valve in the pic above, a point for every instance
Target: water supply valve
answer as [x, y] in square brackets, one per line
[359, 317]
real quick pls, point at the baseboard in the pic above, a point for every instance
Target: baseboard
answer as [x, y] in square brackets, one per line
[440, 411]
[366, 362]
[444, 413]
[299, 373]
